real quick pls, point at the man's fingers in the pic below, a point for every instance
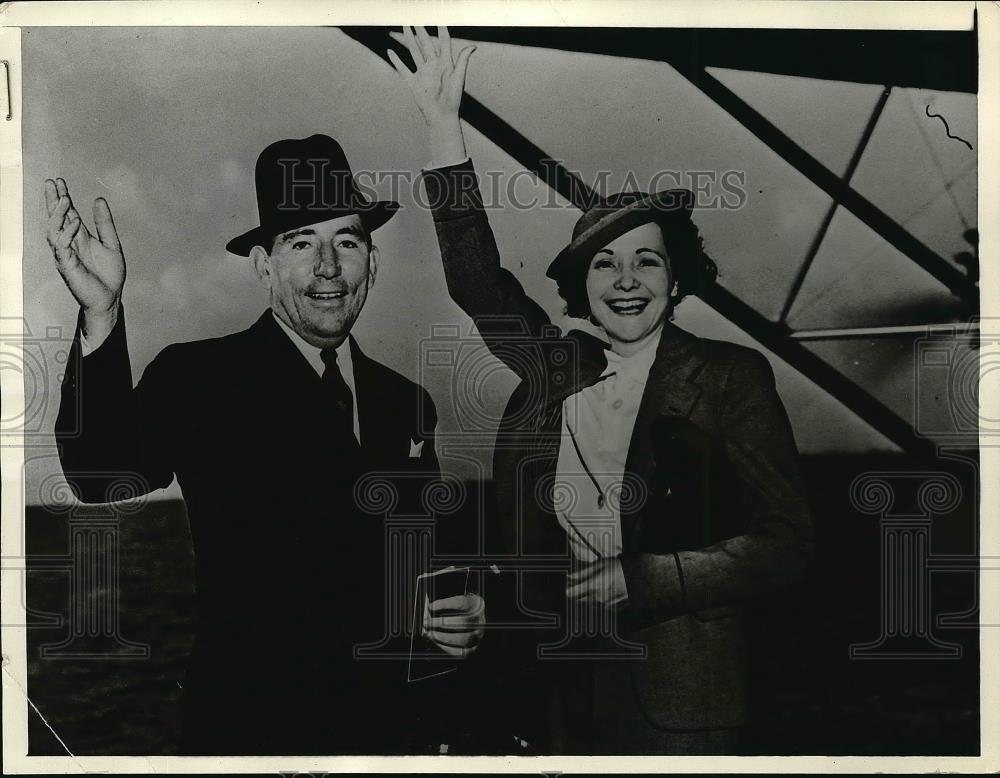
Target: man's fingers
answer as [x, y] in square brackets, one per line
[61, 189]
[71, 229]
[51, 198]
[105, 224]
[58, 214]
[397, 63]
[454, 624]
[459, 604]
[444, 41]
[454, 639]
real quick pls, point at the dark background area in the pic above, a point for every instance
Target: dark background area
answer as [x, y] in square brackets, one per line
[809, 696]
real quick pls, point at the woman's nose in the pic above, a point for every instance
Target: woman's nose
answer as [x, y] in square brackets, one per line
[626, 279]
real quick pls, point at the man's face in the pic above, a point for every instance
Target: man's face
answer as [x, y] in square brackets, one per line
[318, 277]
[628, 286]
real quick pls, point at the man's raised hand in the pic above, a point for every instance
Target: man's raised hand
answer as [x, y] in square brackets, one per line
[437, 85]
[93, 266]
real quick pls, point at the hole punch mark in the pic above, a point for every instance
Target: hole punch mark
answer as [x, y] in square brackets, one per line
[10, 103]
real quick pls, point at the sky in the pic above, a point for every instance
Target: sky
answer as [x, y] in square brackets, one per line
[166, 124]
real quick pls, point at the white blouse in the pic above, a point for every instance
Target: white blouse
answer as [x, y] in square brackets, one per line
[601, 419]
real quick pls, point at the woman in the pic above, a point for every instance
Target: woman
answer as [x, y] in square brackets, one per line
[658, 468]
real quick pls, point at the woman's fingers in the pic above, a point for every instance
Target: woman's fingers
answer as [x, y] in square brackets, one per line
[457, 84]
[414, 47]
[397, 63]
[584, 573]
[577, 591]
[444, 42]
[427, 44]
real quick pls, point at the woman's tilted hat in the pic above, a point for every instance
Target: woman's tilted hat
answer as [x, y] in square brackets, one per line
[615, 215]
[305, 181]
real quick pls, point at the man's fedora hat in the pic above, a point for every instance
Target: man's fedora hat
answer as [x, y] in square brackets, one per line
[613, 216]
[305, 181]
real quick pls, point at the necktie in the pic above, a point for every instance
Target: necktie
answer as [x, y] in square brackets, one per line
[339, 392]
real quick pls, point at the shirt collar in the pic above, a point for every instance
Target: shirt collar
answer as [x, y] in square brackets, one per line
[313, 354]
[638, 364]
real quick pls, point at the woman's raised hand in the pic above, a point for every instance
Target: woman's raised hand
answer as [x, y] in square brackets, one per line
[439, 80]
[437, 85]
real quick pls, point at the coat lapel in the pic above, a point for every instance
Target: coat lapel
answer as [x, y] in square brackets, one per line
[280, 360]
[383, 422]
[670, 390]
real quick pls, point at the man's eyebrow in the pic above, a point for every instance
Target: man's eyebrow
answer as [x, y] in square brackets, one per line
[351, 229]
[295, 234]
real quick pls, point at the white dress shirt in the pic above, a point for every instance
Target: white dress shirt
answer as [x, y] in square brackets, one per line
[314, 357]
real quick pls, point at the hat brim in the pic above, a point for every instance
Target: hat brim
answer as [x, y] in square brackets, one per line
[372, 216]
[661, 206]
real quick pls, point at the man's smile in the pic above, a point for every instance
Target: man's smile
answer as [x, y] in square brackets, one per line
[327, 296]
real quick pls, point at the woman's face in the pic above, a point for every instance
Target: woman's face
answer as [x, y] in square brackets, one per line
[628, 287]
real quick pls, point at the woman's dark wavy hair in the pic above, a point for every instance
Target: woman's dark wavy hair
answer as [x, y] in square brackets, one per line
[692, 269]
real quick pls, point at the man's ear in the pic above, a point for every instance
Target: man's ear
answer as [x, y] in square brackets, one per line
[373, 257]
[261, 263]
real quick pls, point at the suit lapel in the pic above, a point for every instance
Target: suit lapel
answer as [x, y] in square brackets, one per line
[381, 419]
[280, 359]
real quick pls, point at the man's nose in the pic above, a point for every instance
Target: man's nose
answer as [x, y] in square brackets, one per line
[327, 264]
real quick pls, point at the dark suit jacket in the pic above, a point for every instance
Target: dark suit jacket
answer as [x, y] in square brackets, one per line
[720, 516]
[289, 572]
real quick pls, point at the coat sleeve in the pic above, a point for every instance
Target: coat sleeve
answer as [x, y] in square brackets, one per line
[112, 438]
[509, 321]
[777, 546]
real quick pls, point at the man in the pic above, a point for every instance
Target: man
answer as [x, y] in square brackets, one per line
[268, 432]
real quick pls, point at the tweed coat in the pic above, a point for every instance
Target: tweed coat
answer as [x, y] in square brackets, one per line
[715, 517]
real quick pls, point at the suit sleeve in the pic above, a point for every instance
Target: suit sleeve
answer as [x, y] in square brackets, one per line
[507, 319]
[428, 454]
[112, 438]
[777, 547]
